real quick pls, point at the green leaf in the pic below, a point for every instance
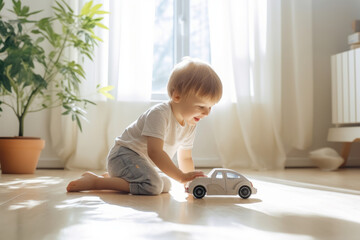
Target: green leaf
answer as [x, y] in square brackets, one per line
[5, 82]
[94, 9]
[16, 7]
[33, 13]
[97, 38]
[66, 112]
[25, 10]
[35, 31]
[86, 8]
[87, 101]
[19, 27]
[108, 95]
[60, 9]
[68, 7]
[101, 25]
[39, 40]
[2, 4]
[78, 122]
[104, 91]
[22, 11]
[102, 12]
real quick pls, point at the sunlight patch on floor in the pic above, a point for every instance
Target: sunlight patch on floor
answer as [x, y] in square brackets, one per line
[28, 204]
[39, 182]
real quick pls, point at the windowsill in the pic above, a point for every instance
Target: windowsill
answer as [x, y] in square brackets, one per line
[159, 97]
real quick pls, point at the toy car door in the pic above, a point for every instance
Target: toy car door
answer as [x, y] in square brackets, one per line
[232, 180]
[217, 186]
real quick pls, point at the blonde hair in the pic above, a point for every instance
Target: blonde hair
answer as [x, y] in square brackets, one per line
[195, 77]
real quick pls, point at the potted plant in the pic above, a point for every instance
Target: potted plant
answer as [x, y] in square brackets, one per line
[33, 78]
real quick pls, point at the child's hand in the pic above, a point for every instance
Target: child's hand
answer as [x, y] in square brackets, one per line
[191, 176]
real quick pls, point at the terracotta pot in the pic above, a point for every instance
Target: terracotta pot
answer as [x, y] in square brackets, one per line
[20, 154]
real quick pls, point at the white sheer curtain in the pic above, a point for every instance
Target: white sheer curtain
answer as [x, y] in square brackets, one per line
[123, 60]
[262, 52]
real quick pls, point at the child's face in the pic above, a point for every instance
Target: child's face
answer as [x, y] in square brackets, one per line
[193, 108]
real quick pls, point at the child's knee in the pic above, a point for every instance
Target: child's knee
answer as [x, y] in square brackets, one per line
[161, 185]
[150, 187]
[166, 184]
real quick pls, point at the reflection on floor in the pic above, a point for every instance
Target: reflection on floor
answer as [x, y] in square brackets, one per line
[290, 204]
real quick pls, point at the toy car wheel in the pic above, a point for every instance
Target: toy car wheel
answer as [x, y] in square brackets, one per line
[244, 192]
[199, 192]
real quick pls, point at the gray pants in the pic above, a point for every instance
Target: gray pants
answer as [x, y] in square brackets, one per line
[143, 178]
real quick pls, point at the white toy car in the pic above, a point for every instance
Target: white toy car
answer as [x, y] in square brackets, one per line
[221, 181]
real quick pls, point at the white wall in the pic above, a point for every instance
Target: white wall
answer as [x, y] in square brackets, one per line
[331, 25]
[332, 20]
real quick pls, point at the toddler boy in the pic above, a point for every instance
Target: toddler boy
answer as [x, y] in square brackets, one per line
[153, 139]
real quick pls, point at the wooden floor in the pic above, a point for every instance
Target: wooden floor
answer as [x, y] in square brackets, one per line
[290, 204]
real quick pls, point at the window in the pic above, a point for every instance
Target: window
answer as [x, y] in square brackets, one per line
[219, 175]
[232, 175]
[181, 29]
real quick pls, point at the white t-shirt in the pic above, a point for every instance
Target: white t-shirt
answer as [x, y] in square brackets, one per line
[160, 122]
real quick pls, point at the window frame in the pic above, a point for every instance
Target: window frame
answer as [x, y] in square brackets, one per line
[181, 28]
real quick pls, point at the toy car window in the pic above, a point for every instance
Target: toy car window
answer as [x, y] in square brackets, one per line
[219, 175]
[232, 175]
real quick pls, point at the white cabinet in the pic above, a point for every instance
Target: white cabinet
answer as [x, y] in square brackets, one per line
[345, 77]
[345, 97]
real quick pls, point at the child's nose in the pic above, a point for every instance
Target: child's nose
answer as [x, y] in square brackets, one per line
[207, 111]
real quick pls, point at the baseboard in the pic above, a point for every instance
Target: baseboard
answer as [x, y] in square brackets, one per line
[353, 162]
[210, 162]
[50, 163]
[306, 162]
[299, 162]
[290, 162]
[199, 162]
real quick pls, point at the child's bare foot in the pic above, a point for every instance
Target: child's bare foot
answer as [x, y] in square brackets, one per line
[89, 174]
[86, 182]
[105, 175]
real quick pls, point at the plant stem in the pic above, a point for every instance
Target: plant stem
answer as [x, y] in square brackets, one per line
[33, 94]
[11, 107]
[21, 125]
[48, 107]
[21, 116]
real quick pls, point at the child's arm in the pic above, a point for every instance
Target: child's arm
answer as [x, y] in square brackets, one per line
[185, 161]
[163, 161]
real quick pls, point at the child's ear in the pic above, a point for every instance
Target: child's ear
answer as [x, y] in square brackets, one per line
[176, 97]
